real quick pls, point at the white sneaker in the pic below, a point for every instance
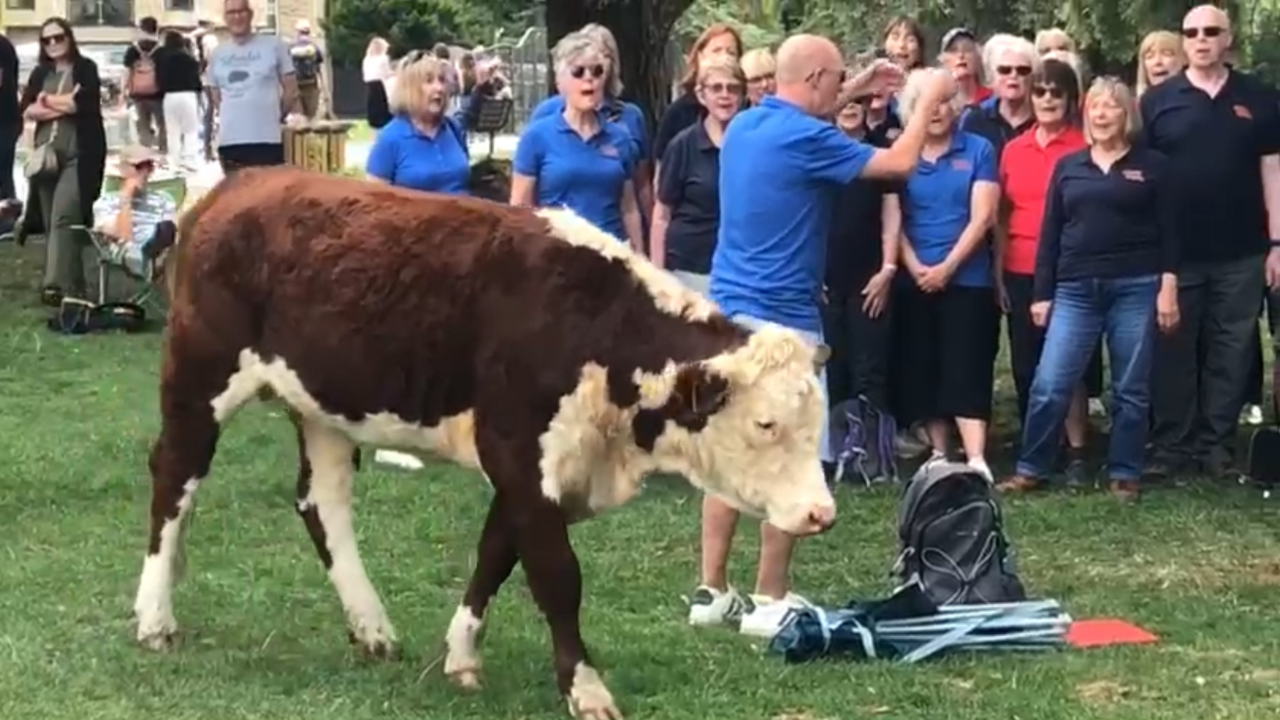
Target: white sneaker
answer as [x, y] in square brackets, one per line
[709, 607]
[394, 458]
[1097, 408]
[764, 619]
[981, 466]
[1252, 415]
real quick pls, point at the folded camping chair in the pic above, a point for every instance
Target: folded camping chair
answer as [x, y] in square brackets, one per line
[152, 291]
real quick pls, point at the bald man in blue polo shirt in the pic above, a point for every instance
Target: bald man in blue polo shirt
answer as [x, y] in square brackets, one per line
[783, 166]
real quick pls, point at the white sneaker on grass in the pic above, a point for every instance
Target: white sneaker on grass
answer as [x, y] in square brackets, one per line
[765, 616]
[710, 607]
[395, 458]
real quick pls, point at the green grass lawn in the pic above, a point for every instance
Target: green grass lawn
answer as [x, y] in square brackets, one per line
[263, 635]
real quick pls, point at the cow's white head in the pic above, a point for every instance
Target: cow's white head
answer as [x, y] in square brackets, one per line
[745, 426]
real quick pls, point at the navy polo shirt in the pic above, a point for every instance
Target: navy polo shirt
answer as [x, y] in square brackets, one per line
[936, 206]
[855, 250]
[1121, 223]
[1214, 146]
[985, 121]
[781, 173]
[685, 111]
[405, 157]
[689, 184]
[585, 175]
[628, 114]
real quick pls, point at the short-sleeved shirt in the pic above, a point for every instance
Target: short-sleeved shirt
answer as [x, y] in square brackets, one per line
[149, 208]
[247, 76]
[628, 114]
[985, 121]
[1025, 169]
[402, 155]
[134, 53]
[937, 202]
[1215, 145]
[689, 184]
[586, 175]
[781, 174]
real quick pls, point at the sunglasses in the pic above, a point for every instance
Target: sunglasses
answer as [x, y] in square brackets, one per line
[1211, 31]
[1054, 92]
[720, 88]
[581, 71]
[48, 40]
[1020, 70]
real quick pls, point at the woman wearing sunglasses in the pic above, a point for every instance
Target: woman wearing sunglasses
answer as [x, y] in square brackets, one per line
[577, 158]
[63, 98]
[1025, 169]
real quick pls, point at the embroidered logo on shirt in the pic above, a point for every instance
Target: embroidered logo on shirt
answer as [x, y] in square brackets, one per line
[1242, 112]
[608, 151]
[892, 133]
[1133, 175]
[961, 164]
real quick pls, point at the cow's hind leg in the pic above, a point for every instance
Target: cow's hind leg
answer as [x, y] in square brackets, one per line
[495, 559]
[327, 460]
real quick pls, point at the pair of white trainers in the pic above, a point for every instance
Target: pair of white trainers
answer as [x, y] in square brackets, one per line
[756, 615]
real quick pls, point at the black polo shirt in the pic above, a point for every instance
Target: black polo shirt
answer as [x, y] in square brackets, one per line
[886, 132]
[689, 184]
[683, 112]
[1121, 223]
[1214, 146]
[855, 249]
[985, 121]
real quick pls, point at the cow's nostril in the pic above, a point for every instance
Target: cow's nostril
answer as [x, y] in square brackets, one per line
[822, 517]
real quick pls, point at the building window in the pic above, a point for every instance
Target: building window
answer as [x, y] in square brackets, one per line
[273, 15]
[111, 13]
[19, 4]
[180, 5]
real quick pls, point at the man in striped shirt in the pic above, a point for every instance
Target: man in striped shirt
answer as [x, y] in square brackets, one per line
[137, 220]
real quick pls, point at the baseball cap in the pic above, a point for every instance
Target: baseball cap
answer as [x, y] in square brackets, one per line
[957, 33]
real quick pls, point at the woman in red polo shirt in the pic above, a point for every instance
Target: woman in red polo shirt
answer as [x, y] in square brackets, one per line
[1025, 168]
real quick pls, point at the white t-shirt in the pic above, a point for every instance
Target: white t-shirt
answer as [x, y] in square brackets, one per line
[376, 67]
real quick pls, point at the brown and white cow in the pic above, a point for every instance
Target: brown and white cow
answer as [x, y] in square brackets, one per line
[528, 344]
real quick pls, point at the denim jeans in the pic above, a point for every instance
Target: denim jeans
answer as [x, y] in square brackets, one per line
[1123, 310]
[752, 323]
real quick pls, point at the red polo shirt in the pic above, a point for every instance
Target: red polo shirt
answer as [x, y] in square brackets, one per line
[1025, 169]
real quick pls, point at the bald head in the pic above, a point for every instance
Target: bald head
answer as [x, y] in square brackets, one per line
[1207, 15]
[800, 56]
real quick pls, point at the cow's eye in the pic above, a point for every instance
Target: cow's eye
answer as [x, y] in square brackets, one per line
[766, 425]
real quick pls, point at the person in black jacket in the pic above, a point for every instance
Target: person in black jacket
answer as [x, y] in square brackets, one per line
[10, 118]
[178, 71]
[63, 97]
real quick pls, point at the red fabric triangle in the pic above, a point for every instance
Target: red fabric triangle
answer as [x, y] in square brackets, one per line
[1106, 631]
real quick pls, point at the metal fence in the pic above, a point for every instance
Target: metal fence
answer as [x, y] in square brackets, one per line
[526, 61]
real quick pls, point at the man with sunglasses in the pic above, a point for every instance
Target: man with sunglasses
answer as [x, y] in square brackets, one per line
[1221, 131]
[137, 219]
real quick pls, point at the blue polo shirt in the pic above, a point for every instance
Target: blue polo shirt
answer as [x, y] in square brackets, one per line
[628, 114]
[403, 156]
[584, 175]
[782, 171]
[936, 204]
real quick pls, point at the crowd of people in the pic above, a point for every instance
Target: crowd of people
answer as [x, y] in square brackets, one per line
[903, 213]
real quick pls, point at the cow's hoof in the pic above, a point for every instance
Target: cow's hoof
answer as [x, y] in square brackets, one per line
[589, 699]
[468, 679]
[158, 639]
[375, 646]
[594, 709]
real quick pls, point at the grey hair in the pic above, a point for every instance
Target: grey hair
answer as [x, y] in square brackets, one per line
[1004, 43]
[910, 95]
[572, 47]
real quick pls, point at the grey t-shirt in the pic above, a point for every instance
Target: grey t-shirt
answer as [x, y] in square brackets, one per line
[247, 76]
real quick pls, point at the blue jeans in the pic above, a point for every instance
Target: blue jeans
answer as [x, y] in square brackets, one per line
[1124, 310]
[751, 323]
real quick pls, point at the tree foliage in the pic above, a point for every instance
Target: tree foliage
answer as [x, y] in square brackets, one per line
[408, 24]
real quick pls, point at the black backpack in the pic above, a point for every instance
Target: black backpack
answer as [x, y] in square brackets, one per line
[953, 545]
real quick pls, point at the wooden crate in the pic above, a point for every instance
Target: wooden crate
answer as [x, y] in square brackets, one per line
[319, 145]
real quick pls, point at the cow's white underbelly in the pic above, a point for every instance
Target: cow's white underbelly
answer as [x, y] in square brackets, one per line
[452, 439]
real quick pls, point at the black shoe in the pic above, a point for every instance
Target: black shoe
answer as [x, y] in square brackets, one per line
[51, 296]
[1077, 474]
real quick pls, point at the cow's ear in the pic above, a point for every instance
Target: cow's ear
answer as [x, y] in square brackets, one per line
[699, 392]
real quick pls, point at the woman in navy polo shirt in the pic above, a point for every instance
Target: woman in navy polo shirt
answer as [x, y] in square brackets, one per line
[421, 148]
[1105, 266]
[717, 40]
[947, 320]
[578, 159]
[687, 215]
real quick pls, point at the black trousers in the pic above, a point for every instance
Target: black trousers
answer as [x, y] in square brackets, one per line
[9, 136]
[235, 157]
[859, 363]
[1026, 341]
[1201, 373]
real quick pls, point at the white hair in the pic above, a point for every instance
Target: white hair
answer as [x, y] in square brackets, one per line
[910, 95]
[1002, 43]
[573, 47]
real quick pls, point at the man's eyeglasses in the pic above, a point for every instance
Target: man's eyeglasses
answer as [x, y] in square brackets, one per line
[581, 71]
[1019, 70]
[48, 40]
[1209, 31]
[1052, 91]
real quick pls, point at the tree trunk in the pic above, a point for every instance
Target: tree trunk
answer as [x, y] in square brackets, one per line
[642, 29]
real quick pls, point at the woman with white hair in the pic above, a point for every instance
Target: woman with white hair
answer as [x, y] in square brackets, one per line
[1105, 267]
[421, 148]
[577, 158]
[1053, 40]
[1009, 61]
[947, 320]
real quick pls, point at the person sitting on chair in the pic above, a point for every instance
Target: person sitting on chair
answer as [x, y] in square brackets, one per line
[137, 220]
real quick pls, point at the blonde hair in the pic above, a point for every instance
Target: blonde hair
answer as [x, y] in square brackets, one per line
[757, 62]
[412, 73]
[1158, 41]
[1003, 43]
[1050, 37]
[726, 66]
[1114, 89]
[910, 95]
[607, 45]
[1072, 60]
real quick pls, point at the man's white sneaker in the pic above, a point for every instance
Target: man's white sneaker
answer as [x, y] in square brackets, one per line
[765, 616]
[1252, 415]
[709, 607]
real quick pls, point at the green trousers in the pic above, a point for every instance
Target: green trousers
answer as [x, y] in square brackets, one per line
[64, 246]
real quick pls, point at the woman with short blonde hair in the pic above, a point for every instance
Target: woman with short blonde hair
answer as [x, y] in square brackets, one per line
[1160, 57]
[421, 148]
[758, 67]
[1054, 39]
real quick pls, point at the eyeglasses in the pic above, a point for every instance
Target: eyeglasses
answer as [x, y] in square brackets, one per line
[1209, 31]
[1020, 70]
[721, 88]
[1052, 91]
[752, 80]
[581, 71]
[48, 40]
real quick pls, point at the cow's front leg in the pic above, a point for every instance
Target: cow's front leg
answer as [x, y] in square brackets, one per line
[325, 473]
[495, 558]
